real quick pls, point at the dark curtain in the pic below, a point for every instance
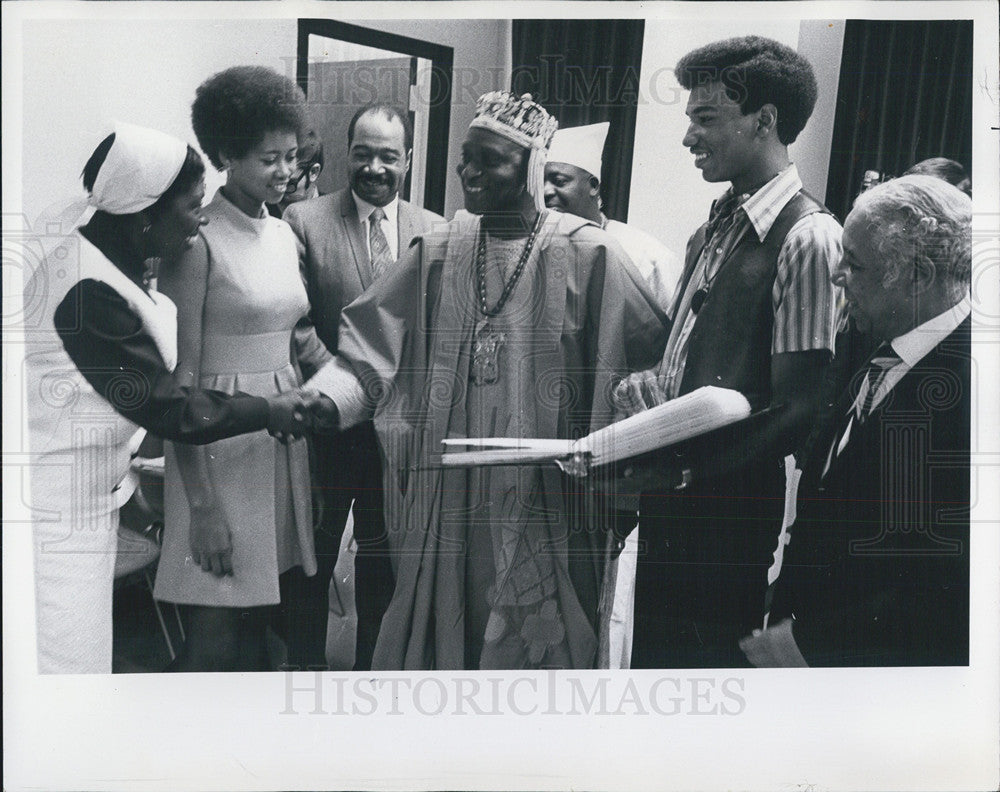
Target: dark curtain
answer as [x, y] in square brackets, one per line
[905, 94]
[585, 71]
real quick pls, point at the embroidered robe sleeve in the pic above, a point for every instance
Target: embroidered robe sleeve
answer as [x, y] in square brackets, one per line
[378, 332]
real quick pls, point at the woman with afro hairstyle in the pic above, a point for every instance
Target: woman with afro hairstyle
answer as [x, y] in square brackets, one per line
[242, 515]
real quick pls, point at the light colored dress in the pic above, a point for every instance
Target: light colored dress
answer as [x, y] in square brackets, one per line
[253, 298]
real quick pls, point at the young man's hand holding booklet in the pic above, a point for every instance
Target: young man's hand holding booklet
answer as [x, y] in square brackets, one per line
[665, 425]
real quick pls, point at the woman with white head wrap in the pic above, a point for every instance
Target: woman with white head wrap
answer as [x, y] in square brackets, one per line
[99, 361]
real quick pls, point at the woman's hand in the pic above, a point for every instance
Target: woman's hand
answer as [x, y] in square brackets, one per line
[211, 541]
[289, 417]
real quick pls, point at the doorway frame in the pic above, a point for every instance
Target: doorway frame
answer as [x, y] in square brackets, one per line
[441, 58]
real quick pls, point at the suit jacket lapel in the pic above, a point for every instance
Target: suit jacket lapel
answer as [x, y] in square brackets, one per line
[844, 415]
[931, 362]
[404, 222]
[352, 224]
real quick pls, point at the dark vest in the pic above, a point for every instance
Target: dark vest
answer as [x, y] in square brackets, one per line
[730, 344]
[709, 546]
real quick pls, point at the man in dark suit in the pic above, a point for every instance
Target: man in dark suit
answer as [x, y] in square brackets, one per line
[347, 240]
[876, 568]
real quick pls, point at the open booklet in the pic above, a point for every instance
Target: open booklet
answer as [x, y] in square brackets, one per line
[667, 424]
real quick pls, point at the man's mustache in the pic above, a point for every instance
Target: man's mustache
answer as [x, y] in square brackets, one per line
[382, 178]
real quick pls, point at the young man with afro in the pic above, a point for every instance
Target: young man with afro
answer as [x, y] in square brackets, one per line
[755, 311]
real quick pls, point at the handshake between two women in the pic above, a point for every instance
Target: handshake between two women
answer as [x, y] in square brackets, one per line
[296, 413]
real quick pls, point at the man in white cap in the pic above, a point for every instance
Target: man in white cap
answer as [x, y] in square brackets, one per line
[508, 322]
[573, 184]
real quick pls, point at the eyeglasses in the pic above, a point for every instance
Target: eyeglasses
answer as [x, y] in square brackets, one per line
[309, 173]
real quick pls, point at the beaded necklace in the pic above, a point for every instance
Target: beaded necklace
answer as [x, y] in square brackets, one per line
[486, 342]
[508, 287]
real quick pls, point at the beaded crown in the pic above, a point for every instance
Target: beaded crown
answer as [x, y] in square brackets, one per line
[519, 118]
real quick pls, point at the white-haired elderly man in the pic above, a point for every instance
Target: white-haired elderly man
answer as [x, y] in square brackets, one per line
[877, 569]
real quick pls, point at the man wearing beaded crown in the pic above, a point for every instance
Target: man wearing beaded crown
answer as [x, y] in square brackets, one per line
[755, 311]
[511, 321]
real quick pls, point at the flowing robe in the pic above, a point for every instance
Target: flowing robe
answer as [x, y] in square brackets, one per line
[584, 319]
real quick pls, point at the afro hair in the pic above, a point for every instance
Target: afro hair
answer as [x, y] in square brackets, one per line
[756, 71]
[234, 109]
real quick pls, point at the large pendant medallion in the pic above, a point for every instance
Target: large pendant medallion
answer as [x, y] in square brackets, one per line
[486, 343]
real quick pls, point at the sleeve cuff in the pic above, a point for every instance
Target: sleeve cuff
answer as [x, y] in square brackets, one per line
[336, 380]
[253, 410]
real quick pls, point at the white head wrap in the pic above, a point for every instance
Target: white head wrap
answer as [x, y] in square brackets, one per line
[582, 147]
[141, 164]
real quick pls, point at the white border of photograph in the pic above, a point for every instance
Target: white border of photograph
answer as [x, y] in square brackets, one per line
[796, 729]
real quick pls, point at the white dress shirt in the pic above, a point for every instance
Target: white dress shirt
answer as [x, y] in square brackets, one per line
[913, 346]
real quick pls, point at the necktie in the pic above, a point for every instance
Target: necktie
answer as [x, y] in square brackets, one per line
[382, 258]
[721, 213]
[883, 360]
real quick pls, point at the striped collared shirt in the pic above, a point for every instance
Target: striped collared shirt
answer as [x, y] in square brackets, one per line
[805, 301]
